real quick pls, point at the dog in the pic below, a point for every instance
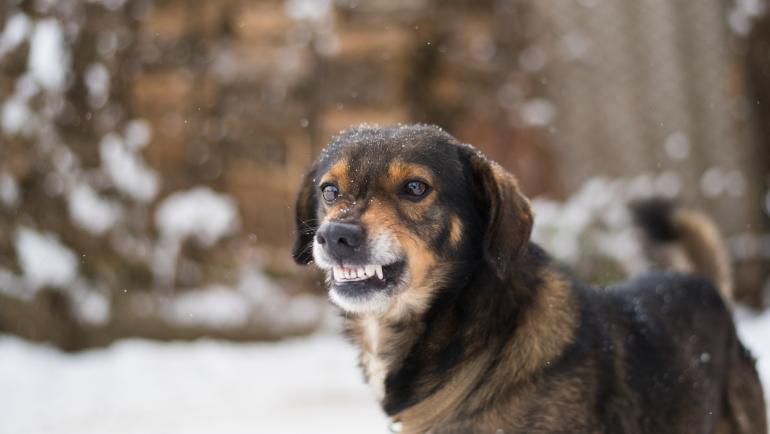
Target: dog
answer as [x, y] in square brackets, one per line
[465, 325]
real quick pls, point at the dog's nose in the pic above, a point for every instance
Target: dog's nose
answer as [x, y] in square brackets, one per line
[341, 240]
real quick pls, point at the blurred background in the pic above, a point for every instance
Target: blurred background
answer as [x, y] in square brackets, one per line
[150, 152]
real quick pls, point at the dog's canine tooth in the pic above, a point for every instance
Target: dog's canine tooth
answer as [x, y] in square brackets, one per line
[355, 274]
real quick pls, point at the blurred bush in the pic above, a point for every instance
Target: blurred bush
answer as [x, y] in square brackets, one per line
[149, 150]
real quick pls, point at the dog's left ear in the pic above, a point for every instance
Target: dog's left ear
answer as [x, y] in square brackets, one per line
[305, 219]
[505, 210]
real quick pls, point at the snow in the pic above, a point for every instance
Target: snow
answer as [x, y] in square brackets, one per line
[199, 213]
[140, 387]
[48, 57]
[89, 305]
[217, 307]
[134, 386]
[12, 285]
[15, 115]
[742, 13]
[712, 182]
[44, 260]
[127, 169]
[137, 134]
[97, 79]
[754, 331]
[677, 146]
[596, 220]
[17, 27]
[9, 190]
[716, 181]
[749, 245]
[90, 211]
[538, 112]
[312, 10]
[254, 300]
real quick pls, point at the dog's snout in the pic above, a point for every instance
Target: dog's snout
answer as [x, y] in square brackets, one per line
[341, 240]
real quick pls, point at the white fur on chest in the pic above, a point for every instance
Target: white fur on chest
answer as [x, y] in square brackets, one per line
[376, 368]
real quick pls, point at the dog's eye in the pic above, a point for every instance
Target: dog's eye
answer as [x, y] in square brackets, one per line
[415, 188]
[329, 192]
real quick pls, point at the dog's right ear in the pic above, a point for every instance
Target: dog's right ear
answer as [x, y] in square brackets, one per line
[305, 218]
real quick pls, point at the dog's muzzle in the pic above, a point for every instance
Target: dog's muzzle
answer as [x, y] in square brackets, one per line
[343, 242]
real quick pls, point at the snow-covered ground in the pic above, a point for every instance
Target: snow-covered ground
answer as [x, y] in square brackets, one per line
[755, 333]
[309, 385]
[301, 386]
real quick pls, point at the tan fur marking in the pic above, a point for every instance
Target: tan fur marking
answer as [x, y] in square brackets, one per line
[400, 171]
[455, 231]
[440, 407]
[377, 217]
[703, 243]
[699, 248]
[421, 260]
[337, 173]
[547, 328]
[424, 274]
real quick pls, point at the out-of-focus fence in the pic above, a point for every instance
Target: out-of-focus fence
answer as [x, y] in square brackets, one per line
[661, 88]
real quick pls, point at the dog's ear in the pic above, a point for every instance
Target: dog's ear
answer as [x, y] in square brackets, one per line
[503, 208]
[305, 218]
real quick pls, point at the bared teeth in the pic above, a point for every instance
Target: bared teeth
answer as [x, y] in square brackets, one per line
[341, 274]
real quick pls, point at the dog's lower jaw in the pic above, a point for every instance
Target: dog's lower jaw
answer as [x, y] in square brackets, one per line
[372, 304]
[377, 302]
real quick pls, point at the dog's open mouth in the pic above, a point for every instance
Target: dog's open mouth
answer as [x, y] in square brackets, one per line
[367, 276]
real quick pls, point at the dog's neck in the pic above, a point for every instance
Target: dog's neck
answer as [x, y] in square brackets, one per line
[422, 366]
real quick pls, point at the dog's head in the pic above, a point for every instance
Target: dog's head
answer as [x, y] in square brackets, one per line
[392, 213]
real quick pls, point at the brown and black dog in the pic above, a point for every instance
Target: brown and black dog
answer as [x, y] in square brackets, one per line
[466, 326]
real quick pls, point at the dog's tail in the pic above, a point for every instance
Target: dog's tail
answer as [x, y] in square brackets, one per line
[685, 240]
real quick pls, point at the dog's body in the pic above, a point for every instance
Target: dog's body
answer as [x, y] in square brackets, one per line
[465, 326]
